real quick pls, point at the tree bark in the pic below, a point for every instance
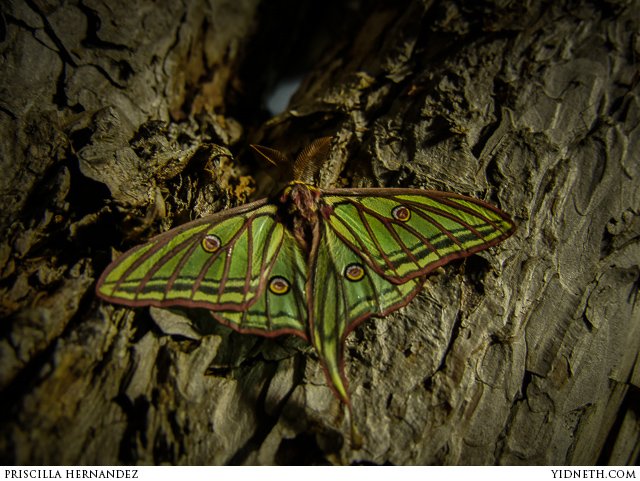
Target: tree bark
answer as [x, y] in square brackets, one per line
[121, 120]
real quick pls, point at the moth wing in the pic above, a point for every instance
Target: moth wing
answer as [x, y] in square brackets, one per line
[223, 263]
[406, 233]
[345, 292]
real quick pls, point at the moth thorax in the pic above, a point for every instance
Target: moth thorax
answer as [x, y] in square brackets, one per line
[302, 200]
[300, 203]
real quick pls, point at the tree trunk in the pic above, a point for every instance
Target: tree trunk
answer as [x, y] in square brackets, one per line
[121, 121]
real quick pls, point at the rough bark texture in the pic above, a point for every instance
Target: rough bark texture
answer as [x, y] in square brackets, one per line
[119, 119]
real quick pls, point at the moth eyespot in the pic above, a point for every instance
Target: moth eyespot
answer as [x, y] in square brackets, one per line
[211, 243]
[279, 285]
[401, 213]
[354, 272]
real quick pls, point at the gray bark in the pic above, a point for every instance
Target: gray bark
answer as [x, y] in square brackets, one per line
[123, 120]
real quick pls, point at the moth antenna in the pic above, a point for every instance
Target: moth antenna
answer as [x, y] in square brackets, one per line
[307, 163]
[272, 156]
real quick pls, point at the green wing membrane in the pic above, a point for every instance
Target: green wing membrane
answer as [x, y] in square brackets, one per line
[439, 227]
[340, 304]
[275, 314]
[175, 269]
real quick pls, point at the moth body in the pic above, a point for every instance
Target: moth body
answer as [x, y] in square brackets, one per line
[300, 211]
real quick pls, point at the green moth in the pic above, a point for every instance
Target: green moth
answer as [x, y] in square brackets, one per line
[310, 262]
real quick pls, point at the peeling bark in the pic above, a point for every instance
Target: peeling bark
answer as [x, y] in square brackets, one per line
[120, 120]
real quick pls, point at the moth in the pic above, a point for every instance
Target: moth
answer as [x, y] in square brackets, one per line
[310, 262]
